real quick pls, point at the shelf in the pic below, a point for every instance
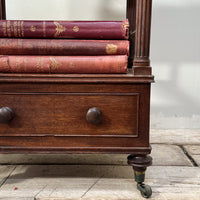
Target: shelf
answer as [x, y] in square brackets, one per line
[77, 78]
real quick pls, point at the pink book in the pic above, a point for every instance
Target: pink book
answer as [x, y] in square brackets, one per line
[64, 64]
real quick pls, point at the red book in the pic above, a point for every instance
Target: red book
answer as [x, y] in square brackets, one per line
[63, 47]
[64, 29]
[64, 64]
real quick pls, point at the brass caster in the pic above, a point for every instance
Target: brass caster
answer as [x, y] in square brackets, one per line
[145, 190]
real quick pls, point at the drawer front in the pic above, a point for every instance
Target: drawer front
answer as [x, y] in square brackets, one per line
[65, 113]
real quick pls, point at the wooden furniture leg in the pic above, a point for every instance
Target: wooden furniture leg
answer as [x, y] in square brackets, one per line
[140, 164]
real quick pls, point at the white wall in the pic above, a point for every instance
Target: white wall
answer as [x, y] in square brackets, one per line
[175, 49]
[175, 55]
[66, 9]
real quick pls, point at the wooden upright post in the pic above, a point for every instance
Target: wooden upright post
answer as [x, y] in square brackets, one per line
[141, 63]
[2, 9]
[131, 15]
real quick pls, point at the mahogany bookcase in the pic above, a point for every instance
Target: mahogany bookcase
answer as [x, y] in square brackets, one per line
[84, 113]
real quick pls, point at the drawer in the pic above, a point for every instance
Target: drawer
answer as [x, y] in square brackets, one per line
[65, 113]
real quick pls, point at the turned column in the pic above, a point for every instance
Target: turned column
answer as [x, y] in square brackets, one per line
[141, 63]
[2, 9]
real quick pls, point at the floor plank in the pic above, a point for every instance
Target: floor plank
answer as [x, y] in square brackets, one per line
[175, 136]
[169, 155]
[100, 182]
[194, 152]
[5, 171]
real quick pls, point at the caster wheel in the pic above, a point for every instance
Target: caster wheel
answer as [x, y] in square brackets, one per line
[145, 190]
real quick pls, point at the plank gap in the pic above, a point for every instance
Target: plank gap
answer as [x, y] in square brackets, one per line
[188, 155]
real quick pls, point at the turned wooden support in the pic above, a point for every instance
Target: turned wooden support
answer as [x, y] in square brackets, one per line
[141, 63]
[139, 162]
[2, 9]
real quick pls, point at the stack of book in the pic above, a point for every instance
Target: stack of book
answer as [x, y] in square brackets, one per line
[63, 46]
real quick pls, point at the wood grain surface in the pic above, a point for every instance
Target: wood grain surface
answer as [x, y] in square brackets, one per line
[65, 114]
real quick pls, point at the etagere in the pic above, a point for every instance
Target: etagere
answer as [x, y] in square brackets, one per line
[84, 113]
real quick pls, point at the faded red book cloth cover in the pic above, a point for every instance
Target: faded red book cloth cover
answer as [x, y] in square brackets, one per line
[63, 47]
[64, 29]
[64, 64]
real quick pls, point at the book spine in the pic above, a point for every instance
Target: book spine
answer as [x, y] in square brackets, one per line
[63, 47]
[64, 29]
[63, 64]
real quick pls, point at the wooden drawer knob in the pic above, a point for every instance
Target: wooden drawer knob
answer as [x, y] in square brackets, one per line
[94, 116]
[6, 114]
